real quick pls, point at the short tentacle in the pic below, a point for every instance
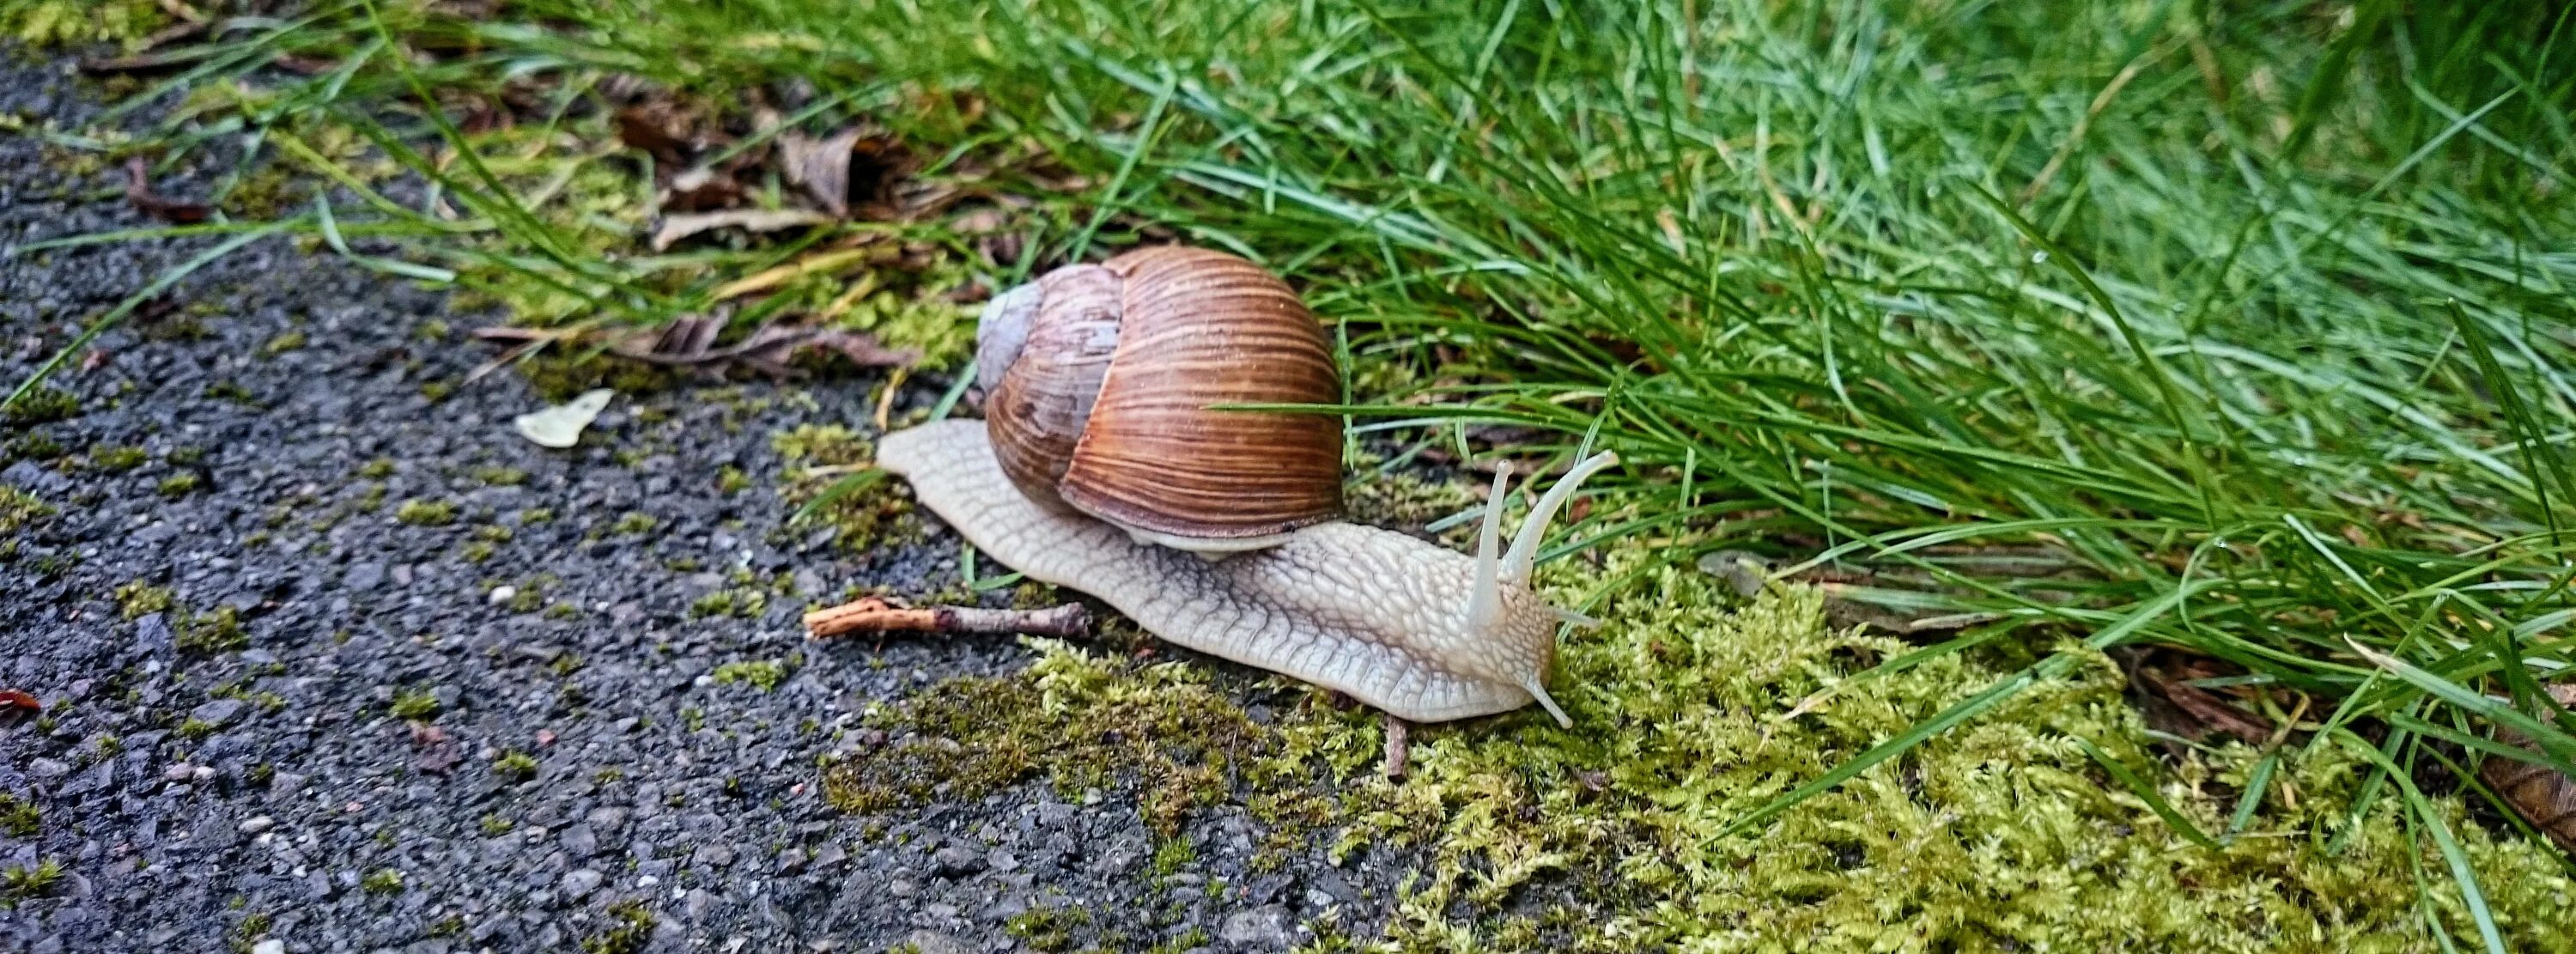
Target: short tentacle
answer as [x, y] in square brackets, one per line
[1538, 691]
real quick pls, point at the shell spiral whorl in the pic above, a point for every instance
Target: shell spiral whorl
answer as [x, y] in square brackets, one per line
[1099, 385]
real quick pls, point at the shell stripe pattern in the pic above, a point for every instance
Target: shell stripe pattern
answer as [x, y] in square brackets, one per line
[1054, 377]
[1336, 605]
[1204, 328]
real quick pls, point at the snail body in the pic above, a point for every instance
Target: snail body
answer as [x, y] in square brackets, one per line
[1422, 632]
[1101, 467]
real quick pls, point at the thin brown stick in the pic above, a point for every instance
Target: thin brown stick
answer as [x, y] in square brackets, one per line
[875, 615]
[1399, 747]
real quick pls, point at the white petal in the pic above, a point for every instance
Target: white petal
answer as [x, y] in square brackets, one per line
[561, 425]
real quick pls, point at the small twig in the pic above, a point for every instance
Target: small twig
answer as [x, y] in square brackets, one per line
[1399, 747]
[874, 615]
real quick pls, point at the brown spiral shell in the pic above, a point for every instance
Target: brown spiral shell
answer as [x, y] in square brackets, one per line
[1098, 384]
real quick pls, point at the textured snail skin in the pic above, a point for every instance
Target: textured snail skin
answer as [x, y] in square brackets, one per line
[1372, 613]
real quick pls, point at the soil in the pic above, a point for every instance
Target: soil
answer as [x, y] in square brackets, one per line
[402, 742]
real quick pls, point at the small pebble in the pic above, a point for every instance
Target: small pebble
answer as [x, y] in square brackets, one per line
[502, 594]
[256, 824]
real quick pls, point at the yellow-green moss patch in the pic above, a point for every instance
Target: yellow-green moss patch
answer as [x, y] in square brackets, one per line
[19, 508]
[2000, 833]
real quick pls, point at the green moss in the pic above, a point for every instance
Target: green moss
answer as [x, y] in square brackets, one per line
[285, 341]
[919, 318]
[252, 928]
[232, 391]
[731, 480]
[426, 513]
[205, 634]
[196, 729]
[19, 817]
[1172, 856]
[268, 192]
[1405, 501]
[822, 444]
[377, 469]
[633, 525]
[743, 602]
[1083, 721]
[19, 508]
[515, 766]
[1689, 715]
[185, 456]
[495, 826]
[25, 884]
[1048, 929]
[42, 406]
[36, 445]
[764, 674]
[136, 599]
[46, 23]
[418, 705]
[633, 928]
[476, 551]
[382, 881]
[118, 460]
[500, 476]
[178, 485]
[536, 516]
[559, 378]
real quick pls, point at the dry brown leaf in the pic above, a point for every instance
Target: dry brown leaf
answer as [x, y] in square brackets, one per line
[19, 699]
[658, 127]
[2542, 796]
[677, 227]
[138, 193]
[852, 170]
[2162, 676]
[698, 189]
[690, 343]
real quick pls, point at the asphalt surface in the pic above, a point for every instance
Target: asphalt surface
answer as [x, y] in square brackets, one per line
[205, 787]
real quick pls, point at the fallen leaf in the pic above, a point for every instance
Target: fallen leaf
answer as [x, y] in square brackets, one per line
[2542, 796]
[560, 426]
[677, 227]
[654, 127]
[690, 342]
[697, 190]
[16, 699]
[849, 170]
[2163, 678]
[138, 193]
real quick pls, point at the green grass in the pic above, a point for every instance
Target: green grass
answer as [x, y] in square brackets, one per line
[2243, 329]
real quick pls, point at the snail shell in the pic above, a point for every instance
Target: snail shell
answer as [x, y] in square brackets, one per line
[1099, 382]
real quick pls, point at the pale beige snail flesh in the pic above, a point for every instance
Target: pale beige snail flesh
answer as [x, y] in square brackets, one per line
[1421, 632]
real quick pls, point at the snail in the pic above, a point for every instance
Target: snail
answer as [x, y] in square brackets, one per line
[1224, 537]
